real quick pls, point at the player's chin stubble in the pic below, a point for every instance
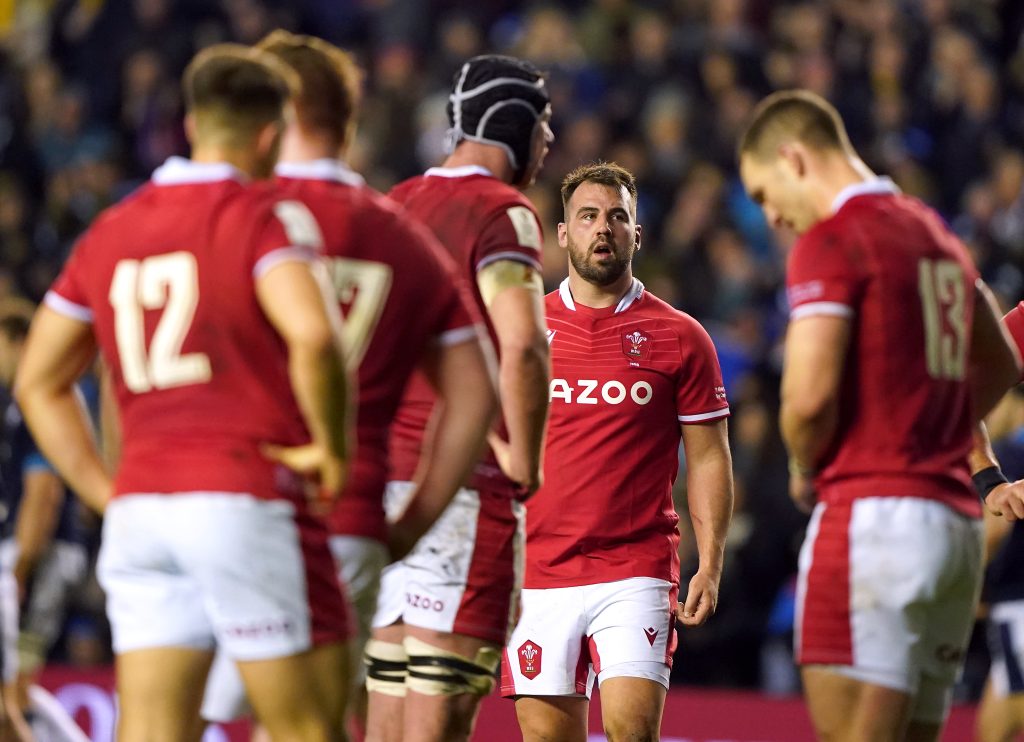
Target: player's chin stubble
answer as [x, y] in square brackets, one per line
[598, 274]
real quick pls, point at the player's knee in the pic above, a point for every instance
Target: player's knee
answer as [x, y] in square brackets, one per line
[437, 672]
[631, 725]
[387, 666]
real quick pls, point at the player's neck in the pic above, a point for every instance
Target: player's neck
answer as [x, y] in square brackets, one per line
[838, 174]
[242, 159]
[482, 155]
[599, 297]
[299, 147]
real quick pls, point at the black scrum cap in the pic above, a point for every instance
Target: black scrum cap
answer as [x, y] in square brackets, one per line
[497, 100]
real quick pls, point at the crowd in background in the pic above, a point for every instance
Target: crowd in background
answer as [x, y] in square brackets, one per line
[932, 92]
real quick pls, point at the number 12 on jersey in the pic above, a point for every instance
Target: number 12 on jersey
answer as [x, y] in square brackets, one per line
[942, 290]
[169, 282]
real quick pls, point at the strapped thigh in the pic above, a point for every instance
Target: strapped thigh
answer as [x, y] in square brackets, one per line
[437, 672]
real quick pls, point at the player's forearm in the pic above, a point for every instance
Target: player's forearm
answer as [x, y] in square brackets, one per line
[807, 434]
[523, 388]
[994, 364]
[61, 429]
[458, 440]
[709, 489]
[321, 387]
[981, 456]
[38, 514]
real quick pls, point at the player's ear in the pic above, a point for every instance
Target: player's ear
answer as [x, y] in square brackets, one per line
[636, 237]
[795, 156]
[268, 137]
[190, 128]
[563, 235]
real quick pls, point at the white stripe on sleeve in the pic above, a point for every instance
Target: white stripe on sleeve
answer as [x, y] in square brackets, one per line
[704, 416]
[66, 307]
[822, 309]
[283, 255]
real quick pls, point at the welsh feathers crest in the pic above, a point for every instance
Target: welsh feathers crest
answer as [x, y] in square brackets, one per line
[635, 345]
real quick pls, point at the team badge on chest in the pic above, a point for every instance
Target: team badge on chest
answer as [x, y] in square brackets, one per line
[636, 345]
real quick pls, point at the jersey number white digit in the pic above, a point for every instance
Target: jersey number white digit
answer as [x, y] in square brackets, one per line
[941, 285]
[363, 286]
[170, 282]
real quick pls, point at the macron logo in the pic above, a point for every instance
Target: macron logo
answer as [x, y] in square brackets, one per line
[550, 335]
[652, 634]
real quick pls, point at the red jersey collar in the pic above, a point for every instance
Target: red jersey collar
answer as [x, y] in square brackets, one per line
[634, 293]
[182, 171]
[869, 187]
[325, 168]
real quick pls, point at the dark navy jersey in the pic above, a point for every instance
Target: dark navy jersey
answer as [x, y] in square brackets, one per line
[1004, 579]
[20, 456]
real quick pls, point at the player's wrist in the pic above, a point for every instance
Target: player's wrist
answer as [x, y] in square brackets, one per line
[798, 468]
[987, 480]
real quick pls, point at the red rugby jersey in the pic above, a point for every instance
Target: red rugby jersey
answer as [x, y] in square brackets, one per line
[167, 278]
[623, 380]
[1014, 322]
[888, 262]
[399, 293]
[479, 220]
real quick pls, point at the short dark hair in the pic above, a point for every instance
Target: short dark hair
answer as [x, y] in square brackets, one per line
[330, 79]
[604, 173]
[793, 115]
[237, 88]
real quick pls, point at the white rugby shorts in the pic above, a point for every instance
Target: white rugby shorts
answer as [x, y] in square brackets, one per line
[886, 595]
[1006, 646]
[200, 569]
[359, 561]
[463, 576]
[567, 636]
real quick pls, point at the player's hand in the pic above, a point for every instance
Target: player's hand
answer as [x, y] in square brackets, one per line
[801, 489]
[1007, 500]
[325, 470]
[527, 477]
[401, 540]
[701, 600]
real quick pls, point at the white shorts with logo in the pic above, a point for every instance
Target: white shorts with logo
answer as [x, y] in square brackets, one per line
[886, 595]
[359, 562]
[200, 569]
[463, 576]
[1006, 646]
[567, 636]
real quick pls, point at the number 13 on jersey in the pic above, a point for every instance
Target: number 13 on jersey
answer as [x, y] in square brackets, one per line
[942, 290]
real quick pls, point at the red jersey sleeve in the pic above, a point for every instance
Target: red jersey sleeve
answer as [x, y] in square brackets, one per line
[289, 232]
[700, 393]
[512, 233]
[822, 278]
[67, 295]
[1014, 322]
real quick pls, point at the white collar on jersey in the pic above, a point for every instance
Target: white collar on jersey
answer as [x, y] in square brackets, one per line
[635, 290]
[182, 171]
[325, 168]
[458, 172]
[868, 187]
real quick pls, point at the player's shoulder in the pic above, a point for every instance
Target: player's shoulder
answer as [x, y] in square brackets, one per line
[681, 324]
[401, 191]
